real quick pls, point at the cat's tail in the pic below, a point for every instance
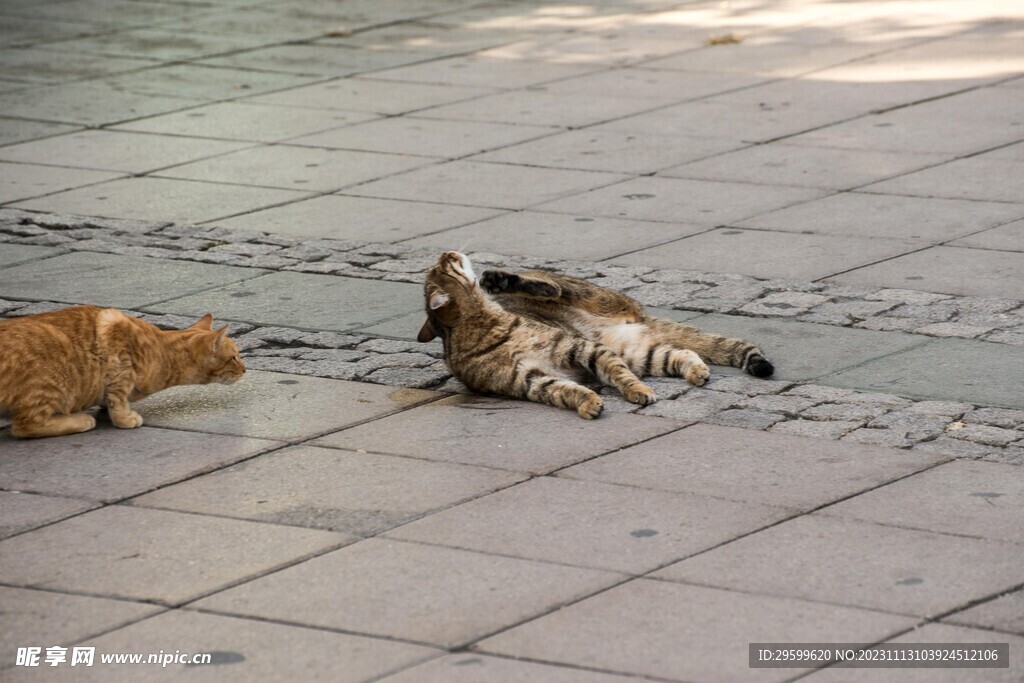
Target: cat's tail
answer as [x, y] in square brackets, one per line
[712, 348]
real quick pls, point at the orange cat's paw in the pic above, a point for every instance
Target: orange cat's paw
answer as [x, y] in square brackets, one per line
[641, 394]
[129, 420]
[697, 374]
[591, 408]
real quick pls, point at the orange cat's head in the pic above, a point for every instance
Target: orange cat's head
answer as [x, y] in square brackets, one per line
[216, 357]
[451, 290]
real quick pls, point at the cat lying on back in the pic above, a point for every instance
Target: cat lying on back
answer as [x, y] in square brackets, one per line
[55, 365]
[535, 335]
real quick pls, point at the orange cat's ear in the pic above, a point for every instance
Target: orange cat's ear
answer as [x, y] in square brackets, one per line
[204, 323]
[427, 332]
[218, 337]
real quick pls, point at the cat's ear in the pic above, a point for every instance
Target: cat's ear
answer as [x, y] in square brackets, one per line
[204, 323]
[427, 332]
[218, 338]
[438, 299]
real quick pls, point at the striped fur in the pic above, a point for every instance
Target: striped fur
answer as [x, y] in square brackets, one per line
[538, 335]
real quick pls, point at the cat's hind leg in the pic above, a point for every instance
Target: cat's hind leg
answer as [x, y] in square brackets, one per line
[35, 426]
[665, 361]
[541, 387]
[608, 367]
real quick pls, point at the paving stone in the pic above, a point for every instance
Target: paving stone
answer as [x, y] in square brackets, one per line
[954, 330]
[157, 44]
[771, 468]
[513, 435]
[590, 524]
[998, 417]
[109, 464]
[21, 130]
[1005, 613]
[108, 280]
[1009, 237]
[745, 417]
[916, 426]
[149, 555]
[814, 428]
[654, 628]
[976, 178]
[942, 408]
[908, 296]
[23, 181]
[471, 667]
[957, 448]
[852, 563]
[416, 378]
[743, 384]
[356, 493]
[984, 434]
[314, 60]
[87, 103]
[203, 82]
[787, 405]
[32, 617]
[474, 70]
[13, 254]
[845, 312]
[303, 300]
[426, 594]
[694, 405]
[939, 370]
[851, 412]
[24, 511]
[783, 304]
[893, 438]
[272, 405]
[370, 96]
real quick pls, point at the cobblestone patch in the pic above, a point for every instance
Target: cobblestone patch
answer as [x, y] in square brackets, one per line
[938, 315]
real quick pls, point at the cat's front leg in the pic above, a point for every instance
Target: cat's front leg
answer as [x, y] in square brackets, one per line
[556, 391]
[500, 281]
[120, 411]
[604, 364]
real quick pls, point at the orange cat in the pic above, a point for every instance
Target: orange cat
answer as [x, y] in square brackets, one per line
[55, 365]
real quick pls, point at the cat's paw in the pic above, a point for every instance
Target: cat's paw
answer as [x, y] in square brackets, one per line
[128, 420]
[495, 281]
[697, 374]
[641, 394]
[591, 408]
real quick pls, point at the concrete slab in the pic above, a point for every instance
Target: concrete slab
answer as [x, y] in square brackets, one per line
[24, 511]
[180, 201]
[33, 617]
[317, 60]
[111, 280]
[609, 151]
[853, 214]
[203, 82]
[296, 168]
[48, 66]
[473, 667]
[246, 649]
[428, 137]
[513, 435]
[155, 43]
[91, 103]
[498, 186]
[21, 130]
[843, 562]
[473, 70]
[771, 469]
[646, 84]
[1003, 614]
[358, 493]
[977, 372]
[21, 181]
[110, 464]
[558, 236]
[425, 594]
[247, 121]
[1009, 237]
[355, 94]
[590, 524]
[403, 327]
[310, 301]
[13, 254]
[969, 498]
[116, 151]
[359, 218]
[277, 406]
[149, 555]
[691, 201]
[952, 270]
[976, 178]
[677, 632]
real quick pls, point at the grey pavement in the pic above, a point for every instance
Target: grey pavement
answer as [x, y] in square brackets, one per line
[837, 181]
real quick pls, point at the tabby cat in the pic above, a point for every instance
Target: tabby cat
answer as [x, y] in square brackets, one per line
[536, 335]
[55, 365]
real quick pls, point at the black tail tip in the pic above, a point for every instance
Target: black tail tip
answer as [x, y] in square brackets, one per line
[759, 366]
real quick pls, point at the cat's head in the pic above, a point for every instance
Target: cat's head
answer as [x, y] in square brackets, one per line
[450, 290]
[216, 357]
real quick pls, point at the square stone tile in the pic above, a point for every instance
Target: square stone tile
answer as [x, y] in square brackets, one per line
[590, 524]
[491, 185]
[770, 254]
[429, 137]
[513, 435]
[647, 84]
[690, 201]
[976, 178]
[204, 82]
[245, 650]
[426, 594]
[296, 168]
[970, 498]
[155, 43]
[558, 235]
[976, 372]
[180, 201]
[431, 39]
[109, 464]
[780, 164]
[671, 631]
[35, 617]
[111, 280]
[113, 12]
[1005, 613]
[481, 72]
[854, 214]
[472, 667]
[22, 32]
[1008, 237]
[13, 254]
[403, 327]
[246, 121]
[21, 181]
[365, 219]
[277, 406]
[49, 66]
[765, 468]
[320, 302]
[90, 102]
[316, 59]
[610, 151]
[24, 511]
[366, 95]
[20, 130]
[358, 493]
[151, 555]
[803, 351]
[116, 151]
[952, 270]
[858, 564]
